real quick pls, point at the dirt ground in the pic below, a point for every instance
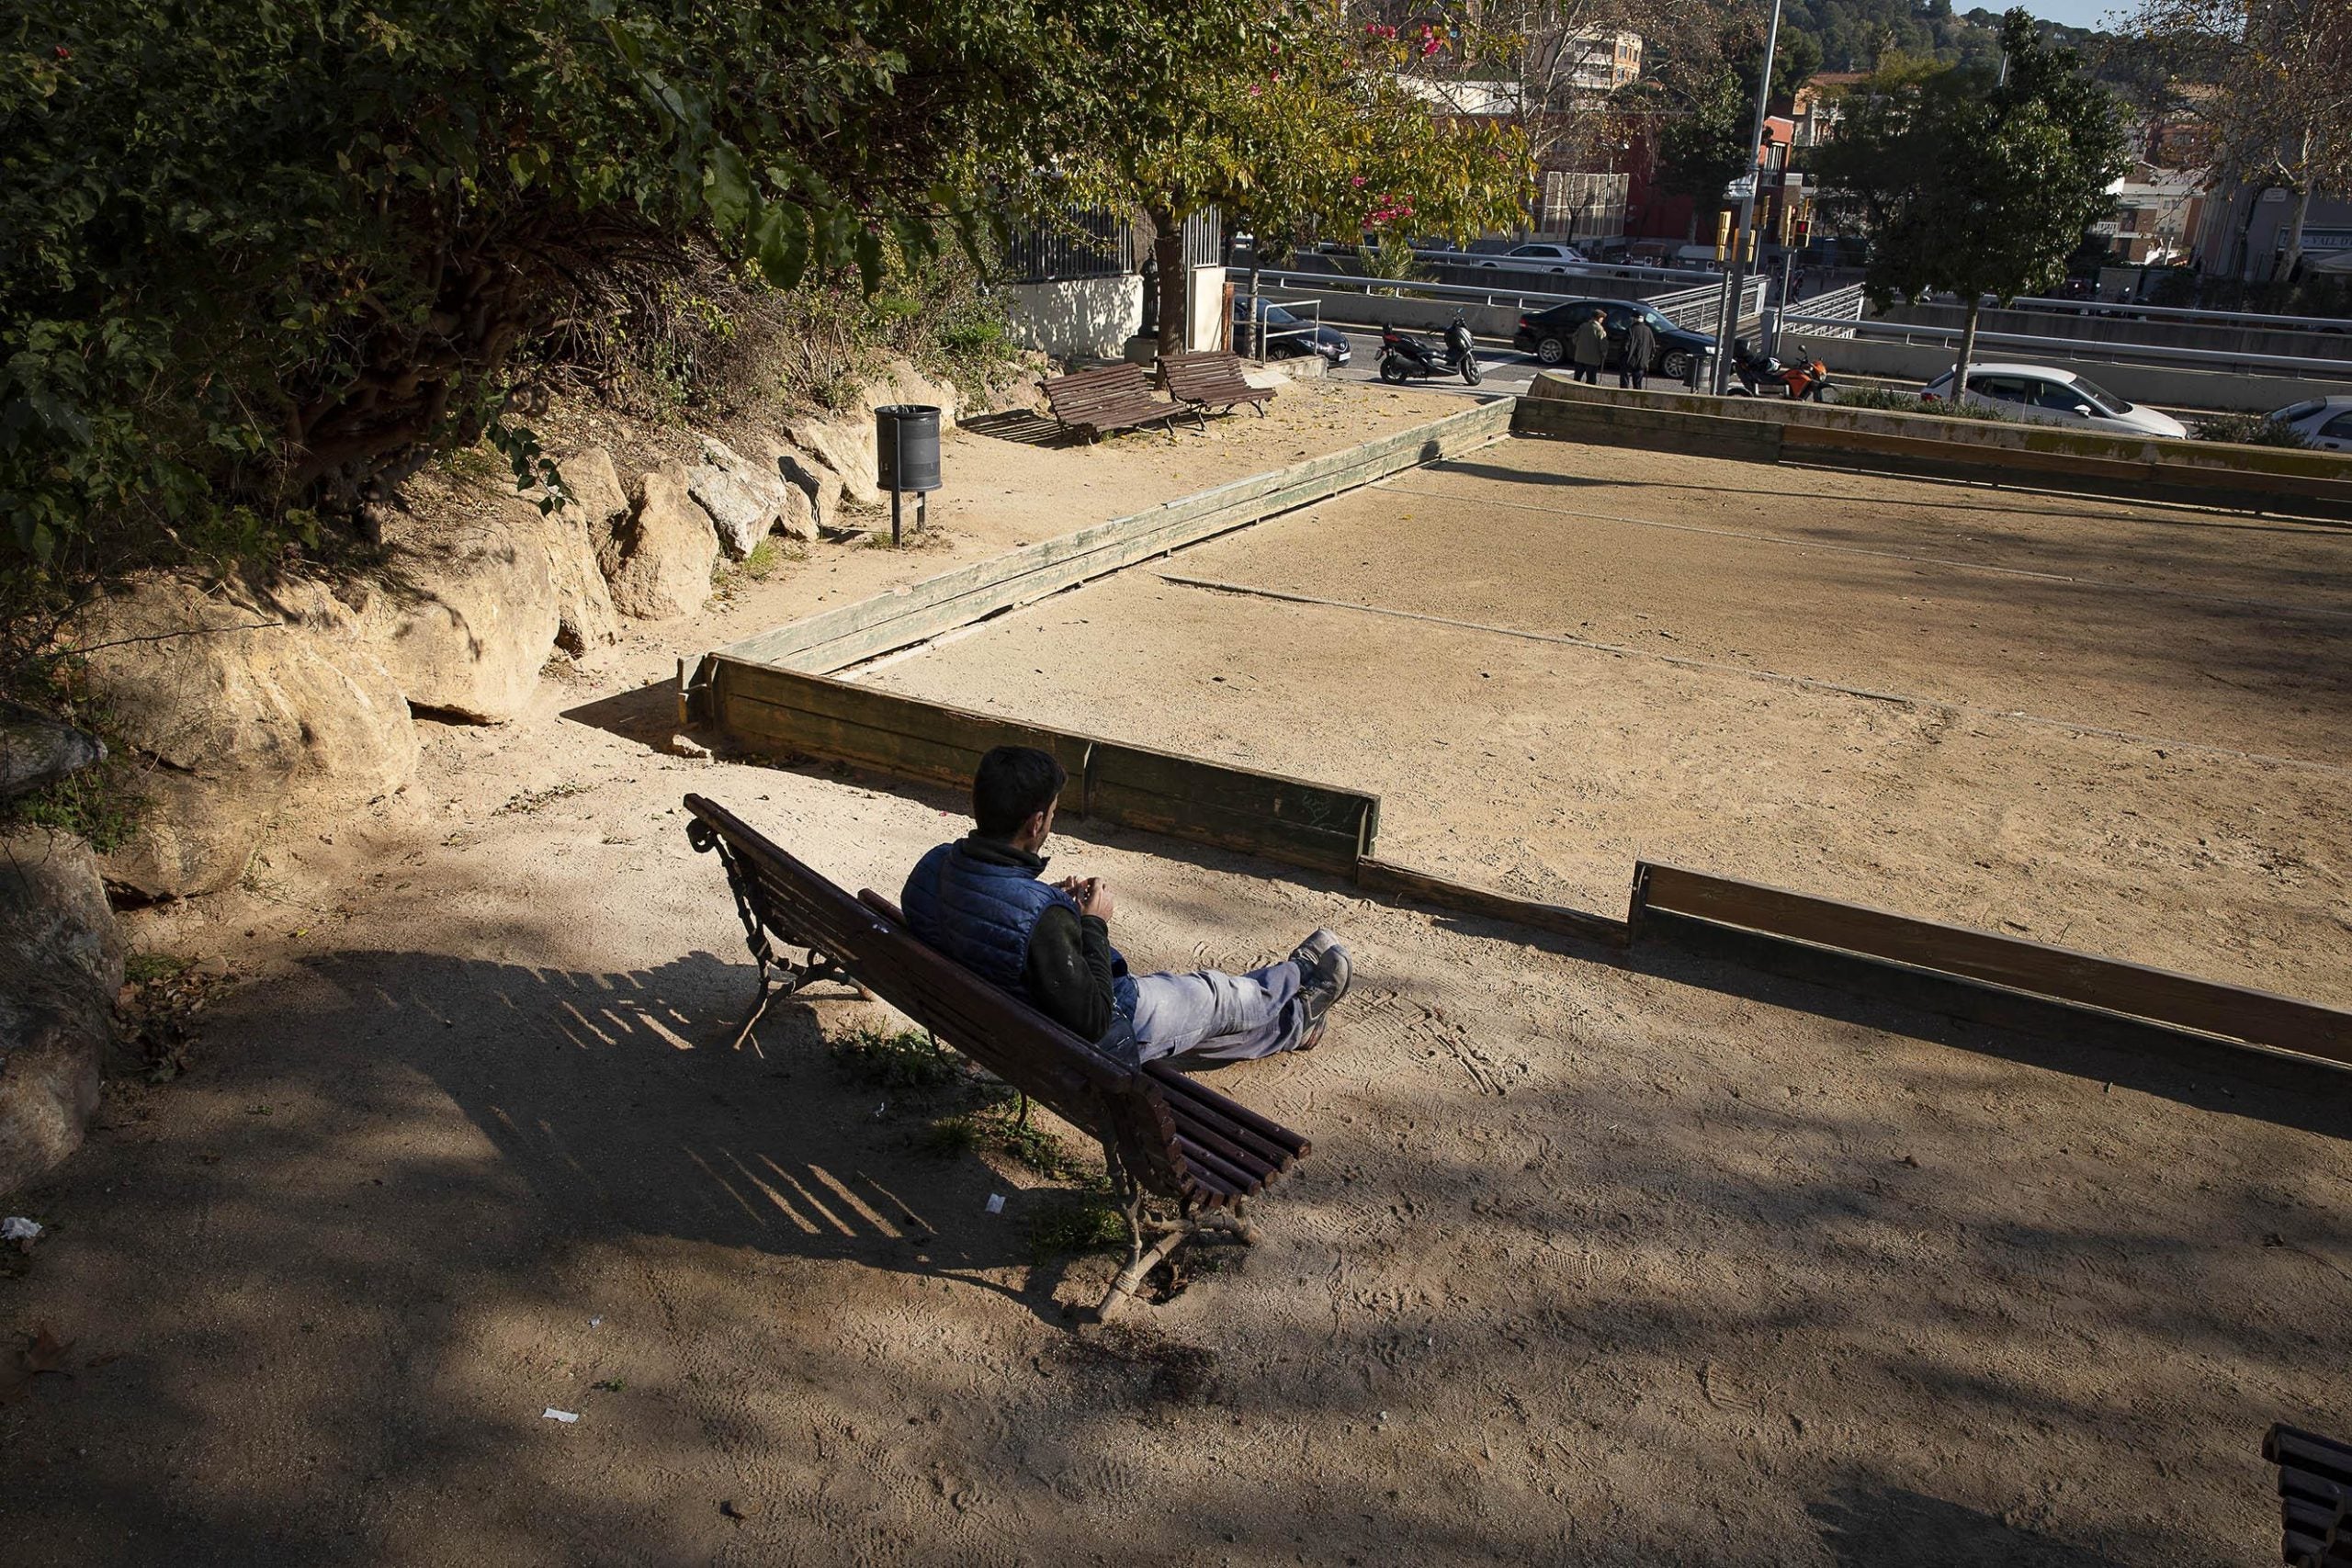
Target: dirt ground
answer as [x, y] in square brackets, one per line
[2117, 727]
[1594, 1261]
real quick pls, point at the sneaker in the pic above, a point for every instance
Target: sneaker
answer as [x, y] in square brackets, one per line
[1323, 962]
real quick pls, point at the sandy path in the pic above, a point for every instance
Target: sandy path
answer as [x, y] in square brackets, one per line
[1590, 1264]
[1549, 765]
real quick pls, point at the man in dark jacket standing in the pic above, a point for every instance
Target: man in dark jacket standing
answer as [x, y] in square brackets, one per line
[983, 902]
[1590, 346]
[1641, 347]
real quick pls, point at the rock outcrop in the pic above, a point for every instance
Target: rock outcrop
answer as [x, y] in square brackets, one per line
[240, 706]
[658, 561]
[60, 963]
[746, 500]
[575, 532]
[36, 751]
[464, 615]
[816, 490]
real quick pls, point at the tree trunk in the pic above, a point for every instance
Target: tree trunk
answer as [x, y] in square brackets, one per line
[2292, 255]
[1967, 347]
[1167, 250]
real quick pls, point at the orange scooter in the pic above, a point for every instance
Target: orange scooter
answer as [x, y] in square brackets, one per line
[1804, 378]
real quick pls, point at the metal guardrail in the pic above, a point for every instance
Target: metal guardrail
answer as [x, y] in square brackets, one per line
[1629, 271]
[2088, 348]
[1838, 305]
[1698, 310]
[1263, 333]
[2125, 309]
[1349, 283]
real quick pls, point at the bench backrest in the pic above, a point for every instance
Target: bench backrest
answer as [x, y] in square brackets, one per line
[1208, 376]
[1113, 393]
[1115, 1101]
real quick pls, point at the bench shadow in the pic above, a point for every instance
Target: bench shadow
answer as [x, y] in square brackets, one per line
[615, 1097]
[1871, 1525]
[1020, 425]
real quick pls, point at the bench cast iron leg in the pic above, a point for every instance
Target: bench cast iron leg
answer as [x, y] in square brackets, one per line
[771, 987]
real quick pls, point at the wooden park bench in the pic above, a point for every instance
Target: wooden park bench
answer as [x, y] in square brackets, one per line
[1114, 397]
[1165, 1137]
[2315, 1496]
[1210, 381]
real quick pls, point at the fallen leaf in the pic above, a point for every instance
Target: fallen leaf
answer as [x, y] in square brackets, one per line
[46, 1353]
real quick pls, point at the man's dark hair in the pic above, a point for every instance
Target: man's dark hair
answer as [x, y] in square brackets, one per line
[1014, 783]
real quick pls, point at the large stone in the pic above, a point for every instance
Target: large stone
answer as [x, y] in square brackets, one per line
[659, 560]
[60, 963]
[465, 613]
[845, 444]
[593, 505]
[358, 742]
[746, 500]
[36, 751]
[242, 707]
[899, 382]
[817, 487]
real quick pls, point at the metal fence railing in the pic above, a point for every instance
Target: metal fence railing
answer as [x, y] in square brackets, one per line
[1258, 334]
[1078, 243]
[2077, 348]
[1699, 310]
[1838, 305]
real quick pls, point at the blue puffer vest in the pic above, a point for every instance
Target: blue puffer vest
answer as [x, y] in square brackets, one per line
[980, 914]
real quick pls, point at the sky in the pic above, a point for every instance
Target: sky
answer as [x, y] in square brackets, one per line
[2073, 13]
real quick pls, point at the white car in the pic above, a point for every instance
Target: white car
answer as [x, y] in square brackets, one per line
[2057, 397]
[1538, 258]
[2326, 423]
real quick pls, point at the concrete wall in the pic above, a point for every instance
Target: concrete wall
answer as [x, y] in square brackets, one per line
[2158, 333]
[1083, 318]
[1204, 308]
[2165, 384]
[2269, 478]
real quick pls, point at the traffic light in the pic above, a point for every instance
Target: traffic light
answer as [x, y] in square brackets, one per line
[1722, 236]
[1800, 232]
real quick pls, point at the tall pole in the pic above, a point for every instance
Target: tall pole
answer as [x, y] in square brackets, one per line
[1729, 322]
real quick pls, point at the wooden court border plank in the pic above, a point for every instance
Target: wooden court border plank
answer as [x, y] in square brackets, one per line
[2039, 969]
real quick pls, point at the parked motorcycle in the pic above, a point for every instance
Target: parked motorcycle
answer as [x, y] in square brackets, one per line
[1805, 378]
[1402, 357]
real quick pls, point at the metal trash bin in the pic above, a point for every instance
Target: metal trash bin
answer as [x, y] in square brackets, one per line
[905, 456]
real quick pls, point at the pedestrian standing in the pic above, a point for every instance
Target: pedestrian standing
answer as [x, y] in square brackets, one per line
[1591, 348]
[1641, 347]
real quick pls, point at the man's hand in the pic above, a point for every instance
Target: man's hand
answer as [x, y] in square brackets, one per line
[1093, 896]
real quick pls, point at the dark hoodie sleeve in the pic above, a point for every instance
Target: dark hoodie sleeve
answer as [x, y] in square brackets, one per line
[1069, 971]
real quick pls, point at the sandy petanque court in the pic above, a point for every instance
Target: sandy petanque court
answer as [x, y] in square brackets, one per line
[1596, 1260]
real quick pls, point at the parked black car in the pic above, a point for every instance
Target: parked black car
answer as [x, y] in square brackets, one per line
[1287, 336]
[1545, 335]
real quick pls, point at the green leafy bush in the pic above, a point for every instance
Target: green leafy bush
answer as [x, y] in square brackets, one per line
[1887, 398]
[2248, 430]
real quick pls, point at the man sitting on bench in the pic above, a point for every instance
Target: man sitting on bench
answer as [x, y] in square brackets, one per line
[982, 902]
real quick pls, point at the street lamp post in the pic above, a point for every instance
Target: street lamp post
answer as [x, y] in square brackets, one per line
[1728, 320]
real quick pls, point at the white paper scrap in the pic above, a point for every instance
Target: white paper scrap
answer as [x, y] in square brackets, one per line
[15, 1228]
[566, 1417]
[996, 1202]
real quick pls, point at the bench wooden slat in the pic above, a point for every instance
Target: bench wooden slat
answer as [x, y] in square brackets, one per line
[1109, 397]
[1204, 1126]
[1272, 1132]
[1209, 379]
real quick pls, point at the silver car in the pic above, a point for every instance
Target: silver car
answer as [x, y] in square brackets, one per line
[2326, 423]
[2052, 396]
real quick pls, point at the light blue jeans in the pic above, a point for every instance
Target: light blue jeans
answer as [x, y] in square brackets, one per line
[1211, 1014]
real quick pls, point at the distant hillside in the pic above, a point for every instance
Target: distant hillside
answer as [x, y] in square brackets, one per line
[1851, 35]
